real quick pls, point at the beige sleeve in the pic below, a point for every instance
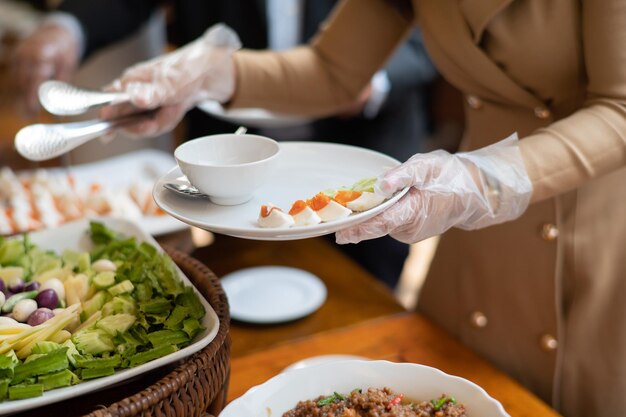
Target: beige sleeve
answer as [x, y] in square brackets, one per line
[592, 141]
[329, 74]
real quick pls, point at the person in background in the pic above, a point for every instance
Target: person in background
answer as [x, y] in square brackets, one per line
[530, 270]
[389, 115]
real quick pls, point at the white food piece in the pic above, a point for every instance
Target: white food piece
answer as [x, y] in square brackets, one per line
[141, 193]
[56, 285]
[276, 218]
[23, 309]
[104, 265]
[333, 211]
[306, 217]
[365, 201]
[44, 201]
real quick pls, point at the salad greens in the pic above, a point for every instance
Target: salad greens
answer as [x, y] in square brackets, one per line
[113, 319]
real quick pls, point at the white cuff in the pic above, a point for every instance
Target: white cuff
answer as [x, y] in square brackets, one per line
[380, 90]
[71, 23]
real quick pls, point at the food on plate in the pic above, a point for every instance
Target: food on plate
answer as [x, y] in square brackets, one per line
[272, 216]
[376, 402]
[34, 200]
[303, 215]
[358, 200]
[76, 316]
[325, 206]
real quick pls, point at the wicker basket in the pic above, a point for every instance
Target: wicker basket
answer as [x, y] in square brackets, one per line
[198, 385]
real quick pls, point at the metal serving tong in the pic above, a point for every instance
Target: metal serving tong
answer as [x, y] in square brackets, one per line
[63, 99]
[39, 142]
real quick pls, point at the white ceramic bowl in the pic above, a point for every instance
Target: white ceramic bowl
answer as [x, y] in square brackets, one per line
[417, 382]
[228, 167]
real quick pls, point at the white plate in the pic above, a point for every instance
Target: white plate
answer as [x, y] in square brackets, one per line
[417, 382]
[123, 170]
[304, 169]
[272, 294]
[252, 117]
[73, 236]
[316, 360]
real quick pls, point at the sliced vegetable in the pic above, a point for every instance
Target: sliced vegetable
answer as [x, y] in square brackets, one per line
[151, 354]
[19, 392]
[45, 364]
[91, 373]
[59, 379]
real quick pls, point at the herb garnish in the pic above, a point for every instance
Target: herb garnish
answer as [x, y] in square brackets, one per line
[437, 404]
[330, 399]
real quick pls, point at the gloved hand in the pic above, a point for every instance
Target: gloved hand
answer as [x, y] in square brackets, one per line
[52, 51]
[467, 190]
[175, 82]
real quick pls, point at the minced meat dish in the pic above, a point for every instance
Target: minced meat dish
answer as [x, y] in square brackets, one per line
[376, 402]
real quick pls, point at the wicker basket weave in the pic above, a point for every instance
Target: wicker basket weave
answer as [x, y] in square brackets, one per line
[198, 385]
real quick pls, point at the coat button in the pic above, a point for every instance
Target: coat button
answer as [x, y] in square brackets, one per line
[548, 343]
[549, 232]
[474, 102]
[478, 320]
[542, 113]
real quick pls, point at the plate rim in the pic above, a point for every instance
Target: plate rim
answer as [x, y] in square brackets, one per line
[94, 385]
[277, 234]
[264, 119]
[302, 274]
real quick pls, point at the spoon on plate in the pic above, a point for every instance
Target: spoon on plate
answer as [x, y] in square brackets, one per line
[63, 99]
[39, 142]
[187, 190]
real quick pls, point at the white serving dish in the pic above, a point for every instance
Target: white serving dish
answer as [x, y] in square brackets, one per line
[417, 382]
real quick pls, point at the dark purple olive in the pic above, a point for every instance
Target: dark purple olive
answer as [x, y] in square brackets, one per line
[2, 287]
[31, 286]
[16, 285]
[39, 316]
[47, 298]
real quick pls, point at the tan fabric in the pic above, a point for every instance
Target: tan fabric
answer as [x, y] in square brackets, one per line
[555, 72]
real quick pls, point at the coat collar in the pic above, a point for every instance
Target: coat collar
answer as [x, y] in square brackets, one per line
[478, 14]
[462, 61]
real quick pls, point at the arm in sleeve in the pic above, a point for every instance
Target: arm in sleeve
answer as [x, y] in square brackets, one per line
[104, 22]
[592, 141]
[327, 75]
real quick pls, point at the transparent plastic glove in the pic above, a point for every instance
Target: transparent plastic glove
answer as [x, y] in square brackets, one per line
[52, 51]
[467, 190]
[175, 82]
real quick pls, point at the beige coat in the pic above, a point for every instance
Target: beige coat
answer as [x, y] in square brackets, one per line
[543, 297]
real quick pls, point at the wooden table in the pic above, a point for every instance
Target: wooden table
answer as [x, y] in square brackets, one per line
[354, 295]
[405, 337]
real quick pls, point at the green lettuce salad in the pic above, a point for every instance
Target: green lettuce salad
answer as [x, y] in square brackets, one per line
[76, 316]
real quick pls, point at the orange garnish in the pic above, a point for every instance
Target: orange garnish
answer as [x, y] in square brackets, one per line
[265, 210]
[297, 207]
[343, 197]
[318, 202]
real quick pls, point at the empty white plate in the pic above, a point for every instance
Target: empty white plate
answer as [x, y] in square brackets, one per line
[252, 117]
[272, 294]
